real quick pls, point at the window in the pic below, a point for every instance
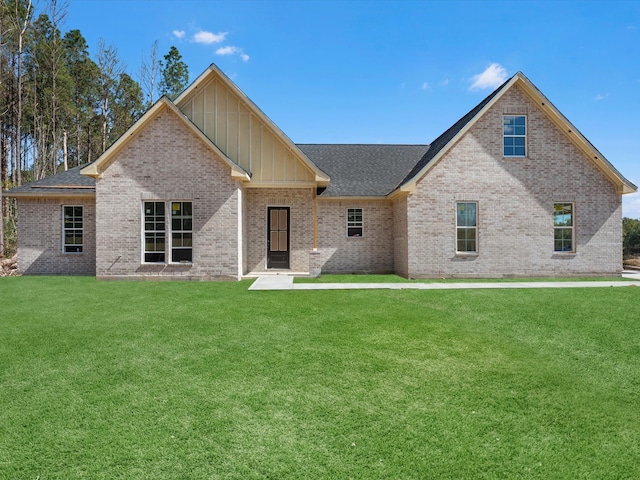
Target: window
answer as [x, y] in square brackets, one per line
[466, 227]
[563, 227]
[154, 235]
[181, 232]
[72, 229]
[354, 222]
[514, 129]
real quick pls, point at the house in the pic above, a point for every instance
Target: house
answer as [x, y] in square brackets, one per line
[208, 187]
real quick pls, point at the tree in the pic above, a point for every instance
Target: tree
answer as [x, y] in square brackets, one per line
[630, 237]
[110, 70]
[149, 72]
[84, 98]
[127, 107]
[21, 19]
[175, 74]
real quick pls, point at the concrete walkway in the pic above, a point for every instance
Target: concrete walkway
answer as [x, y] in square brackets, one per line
[285, 282]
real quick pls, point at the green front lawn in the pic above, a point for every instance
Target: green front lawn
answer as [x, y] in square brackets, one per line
[104, 380]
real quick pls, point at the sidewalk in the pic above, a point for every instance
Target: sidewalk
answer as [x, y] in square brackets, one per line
[285, 282]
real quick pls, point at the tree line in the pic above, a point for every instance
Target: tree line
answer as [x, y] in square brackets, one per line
[59, 106]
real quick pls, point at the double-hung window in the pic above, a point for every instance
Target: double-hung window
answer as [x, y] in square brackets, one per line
[154, 232]
[563, 227]
[72, 225]
[466, 227]
[171, 241]
[514, 132]
[354, 222]
[181, 232]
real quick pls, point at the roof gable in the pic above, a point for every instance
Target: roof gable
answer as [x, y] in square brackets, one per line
[245, 134]
[96, 168]
[450, 137]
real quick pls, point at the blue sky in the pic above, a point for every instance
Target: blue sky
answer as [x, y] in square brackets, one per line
[349, 71]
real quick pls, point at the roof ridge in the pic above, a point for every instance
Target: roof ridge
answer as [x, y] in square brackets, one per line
[368, 144]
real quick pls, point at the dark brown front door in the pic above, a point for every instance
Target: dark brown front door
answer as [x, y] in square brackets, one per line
[277, 237]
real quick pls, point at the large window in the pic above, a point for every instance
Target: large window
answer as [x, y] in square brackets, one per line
[563, 227]
[72, 229]
[154, 232]
[181, 232]
[514, 130]
[466, 227]
[354, 222]
[176, 239]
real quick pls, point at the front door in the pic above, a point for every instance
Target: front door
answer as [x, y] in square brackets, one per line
[278, 237]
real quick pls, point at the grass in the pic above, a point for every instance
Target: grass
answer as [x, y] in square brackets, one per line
[106, 380]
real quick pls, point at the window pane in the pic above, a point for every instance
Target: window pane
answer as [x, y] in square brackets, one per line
[354, 231]
[283, 220]
[282, 241]
[181, 255]
[466, 214]
[157, 257]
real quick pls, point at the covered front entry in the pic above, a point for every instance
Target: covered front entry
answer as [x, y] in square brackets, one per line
[278, 237]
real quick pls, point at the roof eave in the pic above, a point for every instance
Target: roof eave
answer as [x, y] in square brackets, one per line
[49, 194]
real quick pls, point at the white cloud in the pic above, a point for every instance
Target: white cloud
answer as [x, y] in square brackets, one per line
[600, 97]
[494, 76]
[425, 86]
[209, 37]
[228, 50]
[631, 205]
[233, 50]
[179, 33]
[444, 82]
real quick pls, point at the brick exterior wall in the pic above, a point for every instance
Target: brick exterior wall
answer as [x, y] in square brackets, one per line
[371, 253]
[300, 202]
[40, 238]
[400, 237]
[515, 204]
[167, 161]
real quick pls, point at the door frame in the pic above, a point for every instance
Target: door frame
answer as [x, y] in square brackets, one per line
[268, 234]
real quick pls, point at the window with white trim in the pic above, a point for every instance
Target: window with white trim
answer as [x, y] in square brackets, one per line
[354, 222]
[563, 227]
[514, 132]
[466, 227]
[175, 238]
[72, 229]
[154, 232]
[181, 232]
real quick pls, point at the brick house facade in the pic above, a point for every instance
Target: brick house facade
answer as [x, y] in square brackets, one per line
[207, 187]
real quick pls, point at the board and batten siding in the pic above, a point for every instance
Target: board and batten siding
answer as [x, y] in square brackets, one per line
[243, 136]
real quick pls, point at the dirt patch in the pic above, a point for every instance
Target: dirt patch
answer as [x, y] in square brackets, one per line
[632, 262]
[9, 266]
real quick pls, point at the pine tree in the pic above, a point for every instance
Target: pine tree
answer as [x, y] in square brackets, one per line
[175, 74]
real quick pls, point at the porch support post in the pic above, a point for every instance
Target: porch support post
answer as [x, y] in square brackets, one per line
[315, 220]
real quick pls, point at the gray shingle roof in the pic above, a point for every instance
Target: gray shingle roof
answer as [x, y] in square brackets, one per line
[363, 170]
[69, 182]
